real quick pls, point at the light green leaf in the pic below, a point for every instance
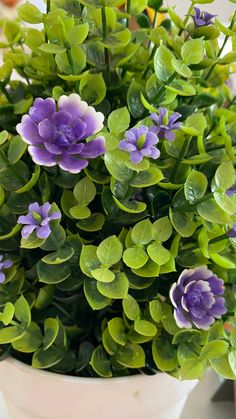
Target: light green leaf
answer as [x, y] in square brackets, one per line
[192, 51]
[131, 356]
[52, 274]
[142, 232]
[29, 13]
[45, 359]
[135, 257]
[22, 311]
[145, 327]
[100, 362]
[195, 186]
[84, 191]
[103, 275]
[158, 253]
[117, 289]
[163, 65]
[51, 329]
[131, 307]
[162, 229]
[95, 299]
[117, 330]
[31, 339]
[119, 120]
[109, 251]
[88, 259]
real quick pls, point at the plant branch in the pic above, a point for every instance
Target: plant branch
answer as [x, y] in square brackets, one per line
[162, 88]
[182, 153]
[128, 6]
[104, 35]
[222, 47]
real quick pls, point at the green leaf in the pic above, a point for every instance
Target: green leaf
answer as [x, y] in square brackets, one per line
[10, 334]
[222, 367]
[8, 313]
[29, 13]
[225, 175]
[32, 242]
[137, 7]
[181, 68]
[162, 229]
[214, 349]
[181, 88]
[116, 39]
[88, 259]
[149, 270]
[222, 261]
[45, 359]
[115, 163]
[210, 211]
[192, 51]
[60, 256]
[142, 232]
[131, 356]
[158, 253]
[109, 344]
[3, 137]
[12, 233]
[92, 88]
[84, 191]
[135, 257]
[103, 275]
[100, 362]
[51, 329]
[95, 299]
[232, 360]
[163, 65]
[117, 289]
[80, 212]
[109, 251]
[56, 239]
[192, 369]
[155, 310]
[52, 48]
[145, 327]
[52, 274]
[78, 34]
[132, 207]
[16, 149]
[195, 186]
[225, 202]
[31, 339]
[134, 101]
[164, 354]
[92, 223]
[119, 120]
[117, 330]
[34, 179]
[183, 223]
[22, 311]
[146, 178]
[131, 307]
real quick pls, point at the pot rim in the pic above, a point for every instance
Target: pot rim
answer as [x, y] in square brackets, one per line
[74, 379]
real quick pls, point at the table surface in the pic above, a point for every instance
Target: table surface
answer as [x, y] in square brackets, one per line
[198, 405]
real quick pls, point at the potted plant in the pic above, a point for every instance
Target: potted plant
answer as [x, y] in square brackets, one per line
[117, 208]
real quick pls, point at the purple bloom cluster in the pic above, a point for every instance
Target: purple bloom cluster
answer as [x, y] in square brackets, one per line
[37, 220]
[57, 136]
[197, 299]
[164, 124]
[202, 18]
[140, 142]
[4, 264]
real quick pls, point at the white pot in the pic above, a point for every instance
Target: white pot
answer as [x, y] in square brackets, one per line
[35, 394]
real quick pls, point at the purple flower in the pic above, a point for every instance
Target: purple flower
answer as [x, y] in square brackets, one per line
[202, 18]
[195, 297]
[232, 232]
[38, 219]
[57, 136]
[231, 191]
[4, 264]
[165, 124]
[140, 142]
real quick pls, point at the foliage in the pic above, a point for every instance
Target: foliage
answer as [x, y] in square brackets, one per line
[93, 297]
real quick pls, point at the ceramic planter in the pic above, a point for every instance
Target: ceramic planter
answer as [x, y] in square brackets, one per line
[34, 394]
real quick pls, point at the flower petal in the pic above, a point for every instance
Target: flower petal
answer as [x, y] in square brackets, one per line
[42, 108]
[94, 121]
[72, 165]
[73, 105]
[2, 277]
[27, 230]
[41, 156]
[29, 131]
[45, 129]
[94, 148]
[43, 232]
[136, 156]
[181, 319]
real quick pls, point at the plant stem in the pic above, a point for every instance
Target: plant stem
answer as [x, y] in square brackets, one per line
[47, 11]
[212, 241]
[162, 88]
[154, 22]
[104, 35]
[5, 92]
[182, 153]
[222, 47]
[186, 18]
[128, 6]
[70, 59]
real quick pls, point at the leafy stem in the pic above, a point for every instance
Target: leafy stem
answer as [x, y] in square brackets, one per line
[182, 153]
[128, 6]
[222, 47]
[70, 60]
[186, 18]
[104, 35]
[5, 92]
[163, 86]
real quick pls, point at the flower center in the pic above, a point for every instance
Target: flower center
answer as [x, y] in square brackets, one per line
[63, 136]
[37, 217]
[194, 297]
[141, 141]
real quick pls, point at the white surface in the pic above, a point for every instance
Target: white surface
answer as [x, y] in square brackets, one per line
[198, 404]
